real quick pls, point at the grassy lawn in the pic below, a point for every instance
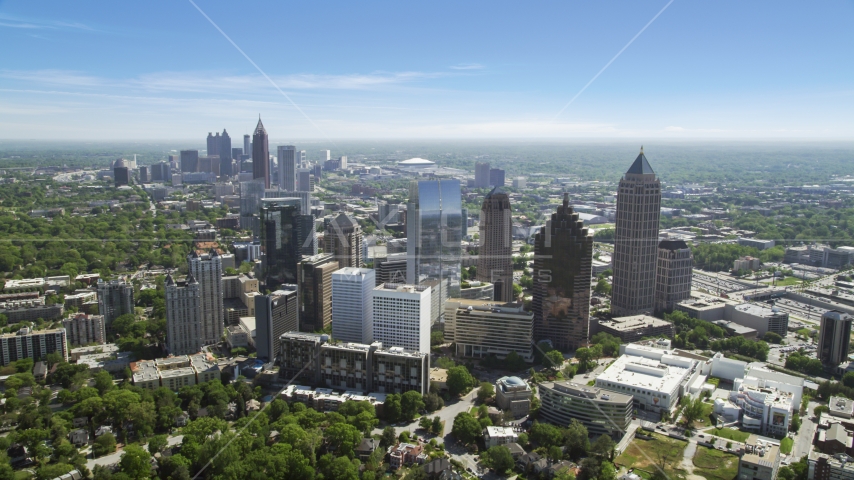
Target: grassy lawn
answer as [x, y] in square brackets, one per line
[786, 445]
[729, 434]
[715, 464]
[705, 419]
[645, 454]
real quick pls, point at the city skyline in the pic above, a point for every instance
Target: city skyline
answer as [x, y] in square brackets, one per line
[774, 73]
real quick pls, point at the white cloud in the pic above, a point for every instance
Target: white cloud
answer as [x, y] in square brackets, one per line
[40, 24]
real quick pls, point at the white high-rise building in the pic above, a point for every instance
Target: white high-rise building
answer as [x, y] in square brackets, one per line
[351, 304]
[288, 165]
[207, 270]
[325, 156]
[401, 315]
[183, 317]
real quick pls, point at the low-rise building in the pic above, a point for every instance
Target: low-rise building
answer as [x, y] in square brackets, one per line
[493, 436]
[756, 243]
[236, 336]
[480, 328]
[746, 264]
[513, 394]
[17, 311]
[174, 372]
[760, 460]
[829, 467]
[635, 327]
[602, 411]
[404, 454]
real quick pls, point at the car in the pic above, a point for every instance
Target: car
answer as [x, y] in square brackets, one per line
[701, 436]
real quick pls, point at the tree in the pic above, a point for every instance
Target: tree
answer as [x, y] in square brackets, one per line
[104, 444]
[772, 337]
[554, 359]
[436, 426]
[848, 379]
[607, 471]
[425, 423]
[555, 453]
[499, 459]
[577, 439]
[343, 438]
[459, 380]
[486, 392]
[437, 337]
[433, 402]
[392, 408]
[388, 437]
[603, 447]
[466, 428]
[692, 411]
[817, 411]
[103, 382]
[157, 444]
[796, 422]
[546, 435]
[602, 287]
[410, 403]
[136, 463]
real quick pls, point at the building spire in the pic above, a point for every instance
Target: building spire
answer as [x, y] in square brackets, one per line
[640, 153]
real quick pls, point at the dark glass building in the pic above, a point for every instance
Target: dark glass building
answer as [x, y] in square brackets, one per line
[189, 161]
[286, 235]
[261, 154]
[563, 261]
[225, 155]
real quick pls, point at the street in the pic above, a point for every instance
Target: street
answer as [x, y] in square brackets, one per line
[114, 458]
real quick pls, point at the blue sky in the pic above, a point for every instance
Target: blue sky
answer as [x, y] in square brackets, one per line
[160, 70]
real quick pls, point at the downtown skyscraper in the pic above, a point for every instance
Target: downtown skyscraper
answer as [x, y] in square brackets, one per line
[183, 316]
[206, 268]
[261, 154]
[287, 167]
[636, 240]
[343, 239]
[286, 235]
[434, 239]
[495, 263]
[563, 263]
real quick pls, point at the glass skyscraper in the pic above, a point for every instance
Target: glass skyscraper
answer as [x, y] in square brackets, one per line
[434, 236]
[286, 235]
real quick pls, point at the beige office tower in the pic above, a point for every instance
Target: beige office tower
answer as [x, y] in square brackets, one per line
[495, 263]
[314, 279]
[636, 240]
[674, 273]
[343, 239]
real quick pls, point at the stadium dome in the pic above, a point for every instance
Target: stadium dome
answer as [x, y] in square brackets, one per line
[416, 162]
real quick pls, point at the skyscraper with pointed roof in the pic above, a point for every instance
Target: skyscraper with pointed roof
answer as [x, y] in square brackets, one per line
[183, 316]
[207, 271]
[636, 240]
[494, 262]
[563, 264]
[343, 239]
[261, 154]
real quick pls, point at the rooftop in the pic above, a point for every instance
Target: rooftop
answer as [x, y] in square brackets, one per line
[633, 322]
[584, 391]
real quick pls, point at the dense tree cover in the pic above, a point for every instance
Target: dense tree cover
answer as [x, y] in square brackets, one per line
[829, 388]
[693, 333]
[610, 344]
[459, 380]
[104, 240]
[848, 379]
[498, 458]
[485, 392]
[466, 428]
[799, 362]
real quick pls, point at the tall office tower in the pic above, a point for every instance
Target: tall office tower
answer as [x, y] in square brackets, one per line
[495, 257]
[343, 239]
[286, 235]
[305, 182]
[261, 154]
[563, 265]
[275, 315]
[314, 274]
[387, 213]
[834, 337]
[121, 176]
[464, 222]
[287, 168]
[674, 272]
[434, 236]
[207, 270]
[481, 175]
[496, 177]
[352, 318]
[301, 158]
[342, 162]
[189, 161]
[236, 153]
[225, 154]
[213, 144]
[325, 156]
[183, 316]
[401, 316]
[636, 240]
[115, 298]
[159, 172]
[143, 174]
[391, 268]
[247, 145]
[251, 194]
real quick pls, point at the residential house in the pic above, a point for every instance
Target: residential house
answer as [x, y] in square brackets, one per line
[366, 448]
[404, 454]
[79, 437]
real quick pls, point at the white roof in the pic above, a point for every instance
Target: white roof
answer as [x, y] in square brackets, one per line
[416, 161]
[645, 373]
